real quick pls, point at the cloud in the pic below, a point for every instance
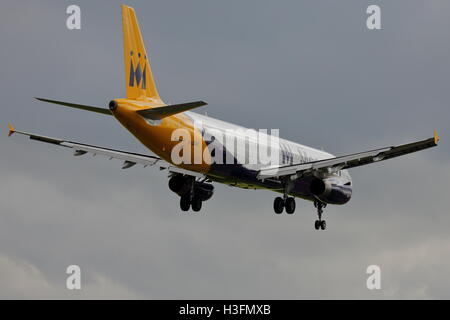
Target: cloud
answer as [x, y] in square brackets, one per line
[21, 280]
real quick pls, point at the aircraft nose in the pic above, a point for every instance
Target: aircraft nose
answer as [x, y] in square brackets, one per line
[112, 105]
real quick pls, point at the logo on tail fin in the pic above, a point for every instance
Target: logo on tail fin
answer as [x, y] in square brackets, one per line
[137, 74]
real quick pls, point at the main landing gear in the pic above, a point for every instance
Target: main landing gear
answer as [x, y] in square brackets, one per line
[287, 203]
[188, 201]
[191, 199]
[192, 192]
[320, 224]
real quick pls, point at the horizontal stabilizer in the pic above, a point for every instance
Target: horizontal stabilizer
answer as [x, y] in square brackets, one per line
[78, 106]
[161, 112]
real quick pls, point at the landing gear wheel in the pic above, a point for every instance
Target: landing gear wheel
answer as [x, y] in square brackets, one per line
[290, 205]
[317, 225]
[278, 205]
[196, 204]
[323, 225]
[185, 202]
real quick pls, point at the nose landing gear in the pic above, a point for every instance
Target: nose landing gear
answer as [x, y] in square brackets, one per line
[320, 224]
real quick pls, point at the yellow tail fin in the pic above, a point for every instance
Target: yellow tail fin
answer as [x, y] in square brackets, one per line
[138, 75]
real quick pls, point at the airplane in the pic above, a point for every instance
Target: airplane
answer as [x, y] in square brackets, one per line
[301, 171]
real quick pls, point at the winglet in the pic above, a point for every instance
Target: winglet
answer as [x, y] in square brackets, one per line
[436, 137]
[11, 129]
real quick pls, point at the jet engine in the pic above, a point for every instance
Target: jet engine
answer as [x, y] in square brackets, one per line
[330, 191]
[180, 184]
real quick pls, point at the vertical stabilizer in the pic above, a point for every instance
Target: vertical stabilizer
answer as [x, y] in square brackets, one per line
[138, 75]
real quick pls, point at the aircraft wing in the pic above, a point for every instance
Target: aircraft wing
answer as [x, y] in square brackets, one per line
[348, 161]
[129, 159]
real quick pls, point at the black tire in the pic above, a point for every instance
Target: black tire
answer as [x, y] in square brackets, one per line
[278, 205]
[196, 204]
[323, 225]
[185, 202]
[290, 205]
[317, 225]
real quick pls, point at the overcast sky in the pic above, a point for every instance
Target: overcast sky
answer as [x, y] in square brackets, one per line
[310, 68]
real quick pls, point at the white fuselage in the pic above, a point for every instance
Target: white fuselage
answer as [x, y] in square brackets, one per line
[246, 140]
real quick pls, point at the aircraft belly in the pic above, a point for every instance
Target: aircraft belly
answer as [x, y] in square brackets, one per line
[238, 176]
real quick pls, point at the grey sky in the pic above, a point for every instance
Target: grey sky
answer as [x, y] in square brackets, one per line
[310, 68]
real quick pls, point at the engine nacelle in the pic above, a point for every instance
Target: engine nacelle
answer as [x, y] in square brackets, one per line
[330, 192]
[203, 190]
[180, 184]
[320, 188]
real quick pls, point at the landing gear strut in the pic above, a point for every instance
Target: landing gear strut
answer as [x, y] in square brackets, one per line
[320, 224]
